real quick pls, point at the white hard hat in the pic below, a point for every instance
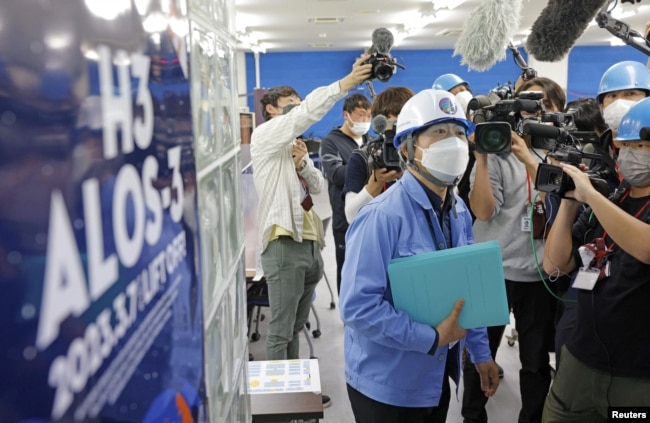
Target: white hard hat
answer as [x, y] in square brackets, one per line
[429, 107]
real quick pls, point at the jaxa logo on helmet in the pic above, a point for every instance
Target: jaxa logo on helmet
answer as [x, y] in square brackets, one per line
[426, 108]
[448, 106]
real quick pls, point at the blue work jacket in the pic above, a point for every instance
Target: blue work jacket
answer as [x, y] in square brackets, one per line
[386, 352]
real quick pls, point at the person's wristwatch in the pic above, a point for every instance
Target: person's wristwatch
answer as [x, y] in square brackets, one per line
[302, 166]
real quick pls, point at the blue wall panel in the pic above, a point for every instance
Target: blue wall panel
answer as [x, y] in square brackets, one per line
[307, 70]
[587, 65]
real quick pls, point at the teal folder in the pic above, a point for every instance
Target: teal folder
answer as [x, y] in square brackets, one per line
[426, 286]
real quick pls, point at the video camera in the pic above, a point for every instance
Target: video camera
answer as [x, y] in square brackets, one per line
[383, 154]
[553, 180]
[499, 113]
[566, 145]
[381, 151]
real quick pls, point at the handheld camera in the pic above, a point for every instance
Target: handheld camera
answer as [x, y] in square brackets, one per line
[383, 64]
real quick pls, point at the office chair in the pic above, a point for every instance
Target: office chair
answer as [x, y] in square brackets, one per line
[326, 223]
[257, 296]
[513, 337]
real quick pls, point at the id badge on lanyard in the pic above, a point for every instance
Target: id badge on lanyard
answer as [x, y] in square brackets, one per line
[595, 264]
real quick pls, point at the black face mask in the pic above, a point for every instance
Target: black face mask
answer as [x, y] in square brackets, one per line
[286, 109]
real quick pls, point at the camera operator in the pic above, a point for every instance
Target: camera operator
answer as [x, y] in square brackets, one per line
[335, 151]
[587, 117]
[363, 181]
[398, 370]
[502, 193]
[605, 362]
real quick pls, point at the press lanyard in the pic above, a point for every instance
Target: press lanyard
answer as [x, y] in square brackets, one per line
[439, 245]
[530, 191]
[638, 213]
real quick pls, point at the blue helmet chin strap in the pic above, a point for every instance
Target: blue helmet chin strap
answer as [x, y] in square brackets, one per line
[410, 162]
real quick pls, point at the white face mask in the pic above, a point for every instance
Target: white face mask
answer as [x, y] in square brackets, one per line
[359, 128]
[613, 114]
[634, 165]
[446, 159]
[463, 99]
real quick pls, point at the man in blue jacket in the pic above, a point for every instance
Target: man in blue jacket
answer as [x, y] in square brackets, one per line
[397, 369]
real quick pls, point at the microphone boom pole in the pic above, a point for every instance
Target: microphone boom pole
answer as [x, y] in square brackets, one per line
[623, 31]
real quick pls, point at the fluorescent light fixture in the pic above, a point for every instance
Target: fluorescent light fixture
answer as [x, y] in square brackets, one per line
[108, 10]
[251, 41]
[619, 13]
[398, 37]
[446, 4]
[258, 48]
[416, 22]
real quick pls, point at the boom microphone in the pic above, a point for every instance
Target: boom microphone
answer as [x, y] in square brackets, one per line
[544, 131]
[379, 124]
[487, 32]
[525, 105]
[559, 26]
[382, 41]
[528, 73]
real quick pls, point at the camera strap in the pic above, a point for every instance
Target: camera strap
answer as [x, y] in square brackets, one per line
[636, 215]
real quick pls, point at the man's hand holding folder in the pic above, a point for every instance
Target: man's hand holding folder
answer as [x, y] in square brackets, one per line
[450, 331]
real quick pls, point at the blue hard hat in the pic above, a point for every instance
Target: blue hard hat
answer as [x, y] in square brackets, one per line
[637, 118]
[447, 81]
[429, 107]
[626, 75]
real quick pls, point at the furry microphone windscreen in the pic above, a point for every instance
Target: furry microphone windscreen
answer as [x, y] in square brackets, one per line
[487, 32]
[559, 26]
[379, 124]
[382, 41]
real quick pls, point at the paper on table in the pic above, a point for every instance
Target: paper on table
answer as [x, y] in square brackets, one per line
[271, 377]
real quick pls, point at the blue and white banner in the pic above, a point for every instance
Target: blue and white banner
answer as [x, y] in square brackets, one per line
[100, 291]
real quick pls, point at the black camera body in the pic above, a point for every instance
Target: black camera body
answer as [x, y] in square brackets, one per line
[496, 117]
[383, 154]
[552, 179]
[383, 66]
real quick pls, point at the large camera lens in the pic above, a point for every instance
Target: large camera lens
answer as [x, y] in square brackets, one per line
[493, 137]
[555, 178]
[383, 72]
